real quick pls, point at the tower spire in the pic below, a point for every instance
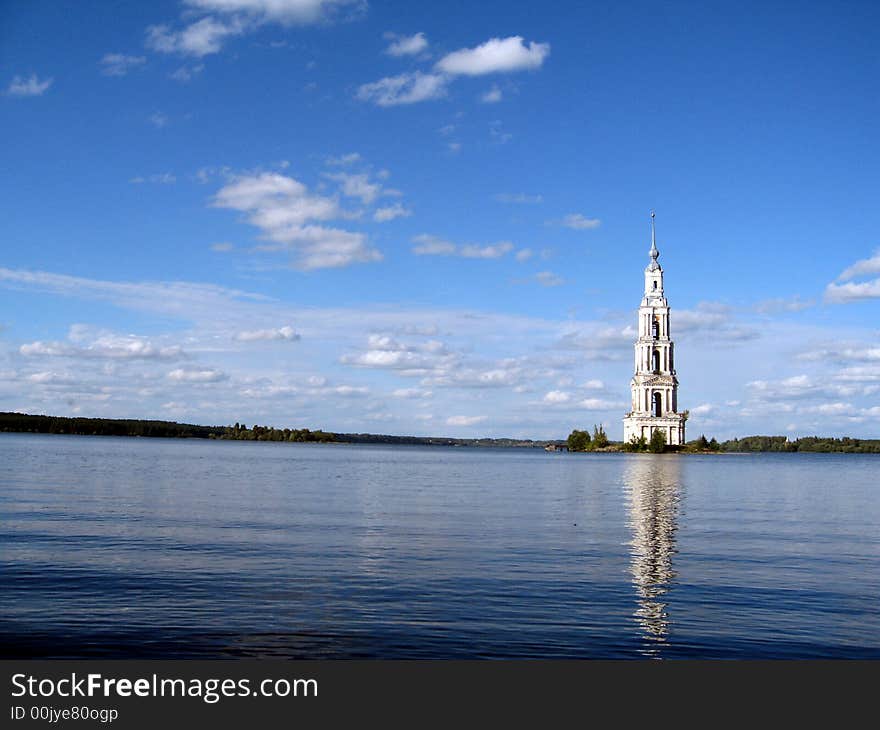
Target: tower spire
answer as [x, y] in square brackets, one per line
[653, 253]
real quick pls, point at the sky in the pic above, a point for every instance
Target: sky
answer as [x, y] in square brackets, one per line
[433, 219]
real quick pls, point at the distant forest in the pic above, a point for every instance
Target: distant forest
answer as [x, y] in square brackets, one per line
[845, 445]
[20, 422]
[24, 423]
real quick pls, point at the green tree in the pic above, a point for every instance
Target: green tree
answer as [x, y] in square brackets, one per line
[657, 444]
[600, 440]
[578, 440]
[636, 443]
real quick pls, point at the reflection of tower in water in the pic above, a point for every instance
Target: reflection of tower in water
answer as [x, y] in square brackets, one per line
[652, 488]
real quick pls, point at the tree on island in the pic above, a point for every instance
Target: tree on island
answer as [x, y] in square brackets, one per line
[636, 443]
[657, 443]
[582, 441]
[578, 441]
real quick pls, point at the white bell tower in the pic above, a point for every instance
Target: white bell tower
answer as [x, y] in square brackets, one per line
[654, 385]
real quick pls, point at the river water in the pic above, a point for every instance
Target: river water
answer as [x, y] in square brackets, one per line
[125, 547]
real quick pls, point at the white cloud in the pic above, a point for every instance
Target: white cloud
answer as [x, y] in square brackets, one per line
[599, 342]
[201, 38]
[579, 222]
[524, 254]
[704, 409]
[864, 267]
[33, 85]
[492, 96]
[407, 88]
[493, 56]
[281, 333]
[384, 352]
[518, 198]
[85, 344]
[428, 245]
[51, 378]
[465, 420]
[406, 45]
[159, 120]
[856, 353]
[714, 321]
[502, 374]
[803, 388]
[548, 278]
[557, 396]
[543, 278]
[832, 409]
[185, 74]
[165, 178]
[497, 133]
[411, 393]
[284, 209]
[852, 291]
[389, 213]
[347, 391]
[492, 251]
[344, 160]
[182, 300]
[358, 185]
[119, 64]
[781, 304]
[181, 375]
[565, 400]
[286, 12]
[598, 404]
[224, 19]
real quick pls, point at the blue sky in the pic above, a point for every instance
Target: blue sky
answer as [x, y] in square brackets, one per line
[406, 218]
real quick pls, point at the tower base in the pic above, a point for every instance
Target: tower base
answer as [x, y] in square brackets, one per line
[672, 424]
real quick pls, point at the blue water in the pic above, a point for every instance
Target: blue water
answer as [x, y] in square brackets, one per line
[114, 547]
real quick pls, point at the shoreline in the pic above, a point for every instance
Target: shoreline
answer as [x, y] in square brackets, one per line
[138, 428]
[538, 446]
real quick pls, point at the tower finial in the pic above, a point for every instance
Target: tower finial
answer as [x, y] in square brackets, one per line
[653, 253]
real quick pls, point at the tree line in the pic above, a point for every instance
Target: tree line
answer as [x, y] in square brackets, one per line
[25, 423]
[844, 445]
[581, 441]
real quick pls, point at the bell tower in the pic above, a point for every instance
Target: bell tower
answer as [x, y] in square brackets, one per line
[654, 385]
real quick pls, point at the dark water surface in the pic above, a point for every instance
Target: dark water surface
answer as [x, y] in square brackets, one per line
[114, 547]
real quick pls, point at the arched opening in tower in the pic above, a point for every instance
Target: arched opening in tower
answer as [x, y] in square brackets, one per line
[656, 361]
[657, 410]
